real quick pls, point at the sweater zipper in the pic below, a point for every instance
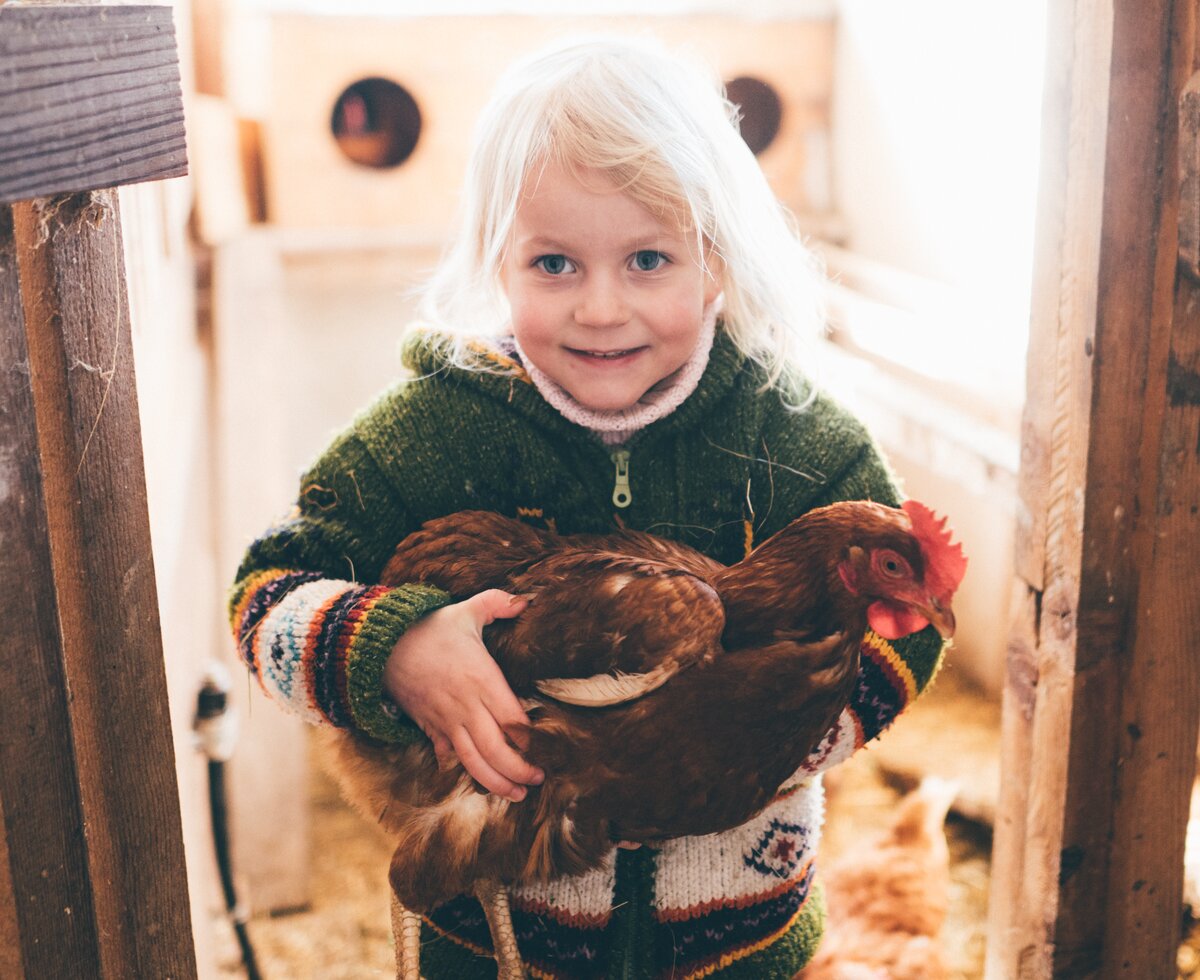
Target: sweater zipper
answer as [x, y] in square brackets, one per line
[622, 496]
[632, 928]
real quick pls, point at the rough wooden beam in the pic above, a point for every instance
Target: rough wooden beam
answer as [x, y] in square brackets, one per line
[89, 98]
[37, 764]
[95, 861]
[1103, 695]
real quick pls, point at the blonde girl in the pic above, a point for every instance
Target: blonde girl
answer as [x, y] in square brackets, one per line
[617, 335]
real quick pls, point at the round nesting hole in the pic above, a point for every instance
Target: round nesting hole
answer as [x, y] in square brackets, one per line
[761, 110]
[376, 123]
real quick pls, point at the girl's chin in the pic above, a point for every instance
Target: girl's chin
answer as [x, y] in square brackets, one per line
[603, 404]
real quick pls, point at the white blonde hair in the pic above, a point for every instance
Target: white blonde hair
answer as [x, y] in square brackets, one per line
[660, 128]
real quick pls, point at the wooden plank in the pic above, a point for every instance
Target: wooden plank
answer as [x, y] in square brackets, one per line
[89, 98]
[46, 866]
[1146, 651]
[1102, 704]
[1036, 707]
[10, 934]
[111, 846]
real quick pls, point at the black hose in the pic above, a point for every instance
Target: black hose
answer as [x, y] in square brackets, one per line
[215, 741]
[220, 829]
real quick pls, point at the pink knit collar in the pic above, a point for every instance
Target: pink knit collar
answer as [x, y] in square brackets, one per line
[616, 427]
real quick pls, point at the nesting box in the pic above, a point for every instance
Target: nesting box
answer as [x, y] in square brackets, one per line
[370, 119]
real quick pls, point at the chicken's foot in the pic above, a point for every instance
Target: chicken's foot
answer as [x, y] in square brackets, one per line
[493, 896]
[406, 931]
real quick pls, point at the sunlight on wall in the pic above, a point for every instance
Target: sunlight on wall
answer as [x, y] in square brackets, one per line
[937, 124]
[548, 8]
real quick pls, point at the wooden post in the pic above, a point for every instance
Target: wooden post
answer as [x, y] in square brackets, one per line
[89, 97]
[92, 883]
[1102, 701]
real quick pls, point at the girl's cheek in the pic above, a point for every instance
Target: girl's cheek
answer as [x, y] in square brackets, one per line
[530, 321]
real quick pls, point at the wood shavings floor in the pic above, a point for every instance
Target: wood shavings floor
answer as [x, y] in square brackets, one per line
[346, 933]
[861, 796]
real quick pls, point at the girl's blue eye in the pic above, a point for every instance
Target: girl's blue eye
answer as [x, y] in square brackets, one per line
[554, 265]
[647, 260]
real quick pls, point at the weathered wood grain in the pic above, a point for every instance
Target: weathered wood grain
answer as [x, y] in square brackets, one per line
[1102, 701]
[11, 964]
[1189, 178]
[88, 783]
[89, 98]
[47, 862]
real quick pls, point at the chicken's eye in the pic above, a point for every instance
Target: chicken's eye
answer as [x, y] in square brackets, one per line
[890, 564]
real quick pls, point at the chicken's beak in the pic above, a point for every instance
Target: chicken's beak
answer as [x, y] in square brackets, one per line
[940, 615]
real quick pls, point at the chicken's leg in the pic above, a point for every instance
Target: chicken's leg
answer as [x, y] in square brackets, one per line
[406, 931]
[494, 898]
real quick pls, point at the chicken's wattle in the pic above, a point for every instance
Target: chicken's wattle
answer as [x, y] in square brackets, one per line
[892, 620]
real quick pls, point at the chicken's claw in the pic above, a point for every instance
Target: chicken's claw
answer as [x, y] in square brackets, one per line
[493, 896]
[406, 929]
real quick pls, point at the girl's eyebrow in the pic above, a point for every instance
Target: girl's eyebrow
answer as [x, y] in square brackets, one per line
[541, 241]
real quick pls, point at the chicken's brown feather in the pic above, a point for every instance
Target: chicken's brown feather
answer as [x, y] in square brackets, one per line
[602, 612]
[467, 552]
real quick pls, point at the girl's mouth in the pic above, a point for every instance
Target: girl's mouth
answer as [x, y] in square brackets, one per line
[606, 355]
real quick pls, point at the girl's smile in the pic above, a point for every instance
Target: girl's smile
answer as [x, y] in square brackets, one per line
[606, 298]
[610, 357]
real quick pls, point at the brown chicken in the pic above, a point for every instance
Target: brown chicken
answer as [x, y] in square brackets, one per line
[887, 900]
[627, 641]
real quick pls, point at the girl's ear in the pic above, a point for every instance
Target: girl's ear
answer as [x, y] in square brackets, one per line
[504, 271]
[714, 277]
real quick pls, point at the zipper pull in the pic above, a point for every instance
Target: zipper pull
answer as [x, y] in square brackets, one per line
[621, 494]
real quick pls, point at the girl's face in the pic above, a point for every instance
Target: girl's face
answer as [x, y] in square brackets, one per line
[606, 298]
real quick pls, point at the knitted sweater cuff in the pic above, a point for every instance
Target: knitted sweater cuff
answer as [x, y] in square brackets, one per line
[374, 713]
[318, 646]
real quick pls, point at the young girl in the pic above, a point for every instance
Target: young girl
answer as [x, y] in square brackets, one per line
[615, 334]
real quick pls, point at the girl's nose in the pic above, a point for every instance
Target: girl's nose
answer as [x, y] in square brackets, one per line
[601, 304]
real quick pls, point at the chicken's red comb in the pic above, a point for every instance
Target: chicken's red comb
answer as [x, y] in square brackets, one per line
[946, 562]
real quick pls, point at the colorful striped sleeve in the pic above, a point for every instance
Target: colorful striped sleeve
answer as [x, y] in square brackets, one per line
[308, 621]
[318, 646]
[888, 681]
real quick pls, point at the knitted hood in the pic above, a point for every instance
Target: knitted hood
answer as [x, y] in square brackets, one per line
[504, 378]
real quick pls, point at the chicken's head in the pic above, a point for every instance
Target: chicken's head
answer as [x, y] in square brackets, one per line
[910, 570]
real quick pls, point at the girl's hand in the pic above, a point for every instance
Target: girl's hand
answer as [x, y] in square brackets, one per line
[443, 677]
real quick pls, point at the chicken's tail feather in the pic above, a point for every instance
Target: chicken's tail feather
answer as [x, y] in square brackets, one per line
[560, 845]
[603, 690]
[439, 846]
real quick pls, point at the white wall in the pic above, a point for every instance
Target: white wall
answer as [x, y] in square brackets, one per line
[936, 126]
[936, 138]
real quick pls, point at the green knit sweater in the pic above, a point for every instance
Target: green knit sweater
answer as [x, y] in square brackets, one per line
[728, 468]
